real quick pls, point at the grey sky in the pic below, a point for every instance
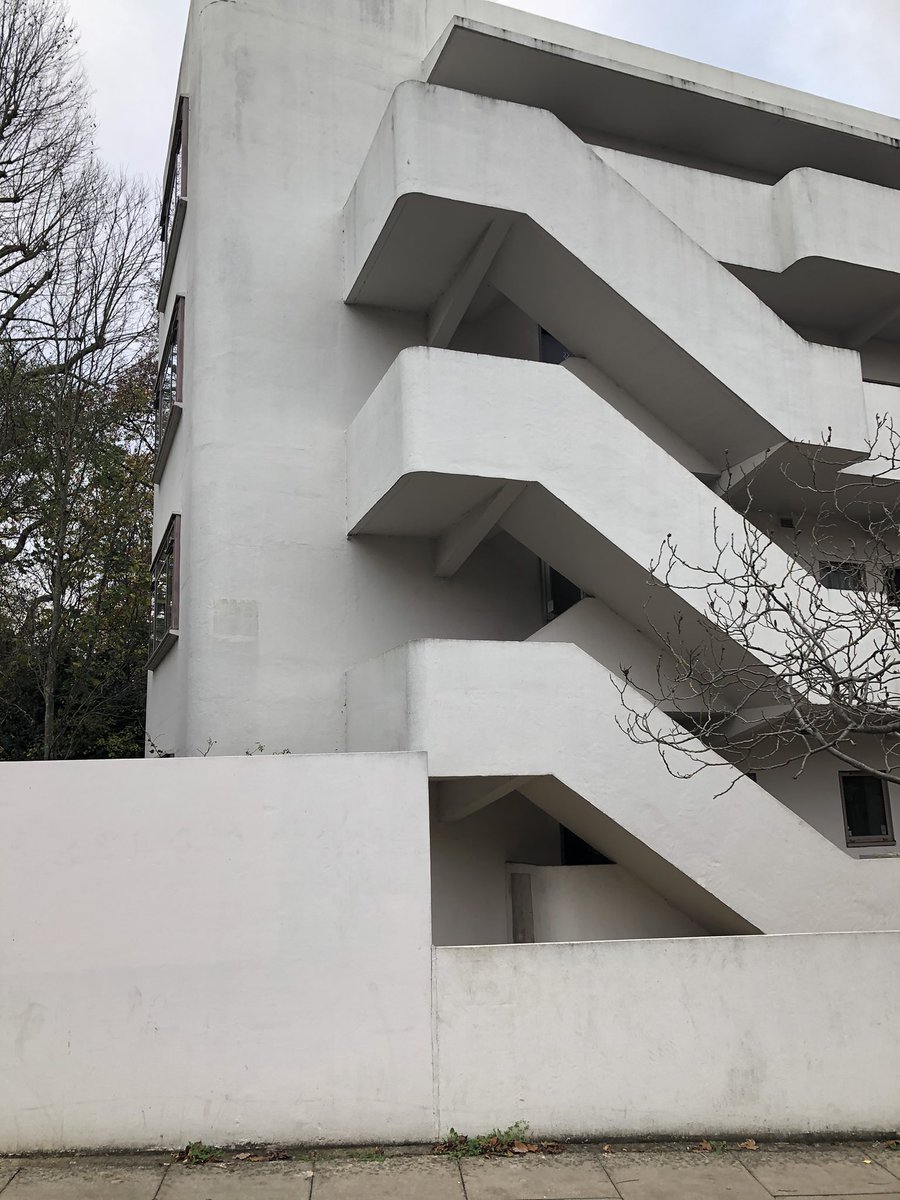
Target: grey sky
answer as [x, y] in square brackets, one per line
[846, 49]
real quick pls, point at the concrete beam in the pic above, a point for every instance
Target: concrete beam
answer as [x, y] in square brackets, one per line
[452, 306]
[459, 798]
[462, 539]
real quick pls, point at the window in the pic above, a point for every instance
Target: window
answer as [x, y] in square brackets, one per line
[842, 576]
[867, 810]
[892, 584]
[164, 577]
[559, 593]
[169, 389]
[174, 203]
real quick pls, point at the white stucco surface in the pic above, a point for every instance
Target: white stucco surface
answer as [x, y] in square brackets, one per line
[441, 426]
[689, 1037]
[806, 214]
[479, 154]
[468, 867]
[598, 903]
[482, 709]
[211, 949]
[285, 98]
[223, 949]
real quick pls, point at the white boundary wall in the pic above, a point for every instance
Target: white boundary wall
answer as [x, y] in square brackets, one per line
[228, 949]
[239, 949]
[786, 1034]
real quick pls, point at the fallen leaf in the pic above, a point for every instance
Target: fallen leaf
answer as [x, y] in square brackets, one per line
[867, 1160]
[750, 1144]
[705, 1146]
[519, 1148]
[607, 1148]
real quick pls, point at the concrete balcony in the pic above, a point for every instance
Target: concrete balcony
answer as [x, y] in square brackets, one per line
[451, 446]
[458, 188]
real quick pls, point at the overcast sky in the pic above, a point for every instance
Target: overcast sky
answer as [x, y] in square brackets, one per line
[846, 49]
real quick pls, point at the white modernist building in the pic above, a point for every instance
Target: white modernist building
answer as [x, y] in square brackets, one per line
[463, 313]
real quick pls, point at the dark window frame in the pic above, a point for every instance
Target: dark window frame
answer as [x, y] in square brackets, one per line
[890, 584]
[168, 559]
[174, 201]
[167, 425]
[848, 566]
[878, 839]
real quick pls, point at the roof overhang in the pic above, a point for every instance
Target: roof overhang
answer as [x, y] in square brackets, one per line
[682, 109]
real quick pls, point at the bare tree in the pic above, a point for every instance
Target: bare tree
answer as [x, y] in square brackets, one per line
[796, 649]
[47, 173]
[45, 146]
[77, 254]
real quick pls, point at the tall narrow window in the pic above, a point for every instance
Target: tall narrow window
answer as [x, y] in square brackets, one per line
[174, 205]
[165, 587]
[169, 399]
[867, 810]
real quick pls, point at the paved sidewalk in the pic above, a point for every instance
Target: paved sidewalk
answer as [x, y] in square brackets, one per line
[836, 1171]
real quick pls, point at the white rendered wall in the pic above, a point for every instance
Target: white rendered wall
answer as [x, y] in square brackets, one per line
[806, 214]
[690, 1037]
[468, 868]
[481, 709]
[598, 903]
[816, 797]
[223, 949]
[285, 98]
[238, 950]
[275, 603]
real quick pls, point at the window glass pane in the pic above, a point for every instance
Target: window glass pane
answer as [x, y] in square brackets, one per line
[174, 183]
[864, 806]
[843, 576]
[892, 584]
[163, 592]
[167, 387]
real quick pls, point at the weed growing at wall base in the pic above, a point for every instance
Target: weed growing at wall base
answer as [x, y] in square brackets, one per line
[500, 1142]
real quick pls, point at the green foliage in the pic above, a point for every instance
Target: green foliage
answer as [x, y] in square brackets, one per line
[196, 1153]
[74, 598]
[498, 1141]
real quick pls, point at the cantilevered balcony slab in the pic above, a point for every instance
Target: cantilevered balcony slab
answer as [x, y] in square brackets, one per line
[445, 433]
[593, 261]
[736, 862]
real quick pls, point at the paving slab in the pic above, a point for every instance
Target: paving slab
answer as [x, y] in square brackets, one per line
[887, 1158]
[87, 1179]
[682, 1176]
[392, 1179]
[818, 1171]
[568, 1176]
[8, 1168]
[255, 1181]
